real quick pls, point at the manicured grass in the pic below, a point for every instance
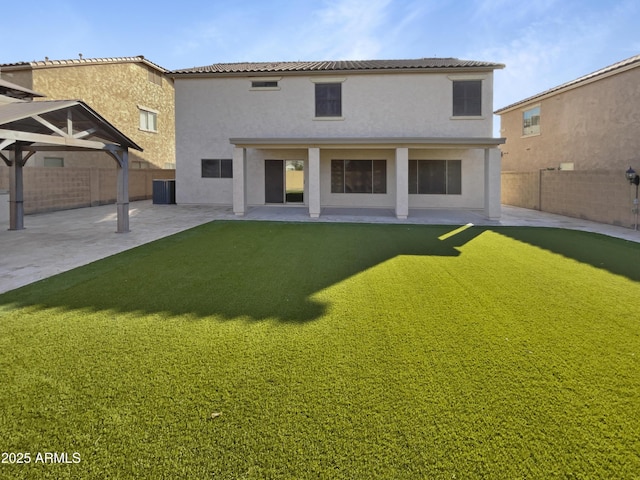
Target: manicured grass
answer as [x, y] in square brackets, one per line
[272, 350]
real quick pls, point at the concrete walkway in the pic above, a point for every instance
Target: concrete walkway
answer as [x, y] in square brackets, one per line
[55, 242]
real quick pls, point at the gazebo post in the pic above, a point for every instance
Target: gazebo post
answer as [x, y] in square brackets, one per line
[122, 197]
[16, 192]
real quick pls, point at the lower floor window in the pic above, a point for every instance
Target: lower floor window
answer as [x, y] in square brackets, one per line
[443, 177]
[358, 176]
[217, 168]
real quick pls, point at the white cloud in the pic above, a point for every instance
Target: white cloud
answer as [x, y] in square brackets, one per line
[350, 29]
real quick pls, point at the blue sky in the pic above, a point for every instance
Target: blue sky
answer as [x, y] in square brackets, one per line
[542, 42]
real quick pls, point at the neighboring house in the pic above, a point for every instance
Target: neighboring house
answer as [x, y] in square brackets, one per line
[393, 134]
[134, 94]
[567, 148]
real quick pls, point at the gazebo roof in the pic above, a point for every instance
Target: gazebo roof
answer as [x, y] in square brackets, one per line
[68, 124]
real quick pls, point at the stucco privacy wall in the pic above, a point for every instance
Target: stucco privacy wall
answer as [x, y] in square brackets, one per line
[212, 110]
[47, 189]
[114, 88]
[599, 195]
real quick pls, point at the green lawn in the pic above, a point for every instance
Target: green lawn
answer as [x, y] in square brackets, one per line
[242, 350]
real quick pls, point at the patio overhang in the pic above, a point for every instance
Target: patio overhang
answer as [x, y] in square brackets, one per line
[59, 125]
[367, 142]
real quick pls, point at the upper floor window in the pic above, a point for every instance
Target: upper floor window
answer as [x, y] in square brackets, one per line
[467, 98]
[531, 121]
[217, 168]
[148, 120]
[328, 99]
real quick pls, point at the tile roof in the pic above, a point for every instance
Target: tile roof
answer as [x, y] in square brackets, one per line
[338, 66]
[631, 62]
[81, 61]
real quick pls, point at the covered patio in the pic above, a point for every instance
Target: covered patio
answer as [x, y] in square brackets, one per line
[401, 147]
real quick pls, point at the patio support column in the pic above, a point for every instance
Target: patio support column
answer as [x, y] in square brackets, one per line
[492, 205]
[239, 181]
[314, 182]
[16, 192]
[122, 199]
[402, 183]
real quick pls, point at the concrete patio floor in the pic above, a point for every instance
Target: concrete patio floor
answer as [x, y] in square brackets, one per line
[55, 242]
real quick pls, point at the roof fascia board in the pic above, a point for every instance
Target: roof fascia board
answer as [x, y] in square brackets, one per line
[358, 142]
[368, 71]
[76, 62]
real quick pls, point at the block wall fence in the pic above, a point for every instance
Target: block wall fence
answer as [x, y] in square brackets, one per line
[603, 196]
[47, 189]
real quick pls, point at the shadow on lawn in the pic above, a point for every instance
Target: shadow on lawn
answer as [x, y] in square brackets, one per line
[261, 270]
[620, 257]
[237, 269]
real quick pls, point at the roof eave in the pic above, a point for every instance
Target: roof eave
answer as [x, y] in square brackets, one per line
[292, 73]
[571, 85]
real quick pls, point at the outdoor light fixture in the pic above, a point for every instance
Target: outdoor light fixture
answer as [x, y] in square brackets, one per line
[634, 179]
[632, 176]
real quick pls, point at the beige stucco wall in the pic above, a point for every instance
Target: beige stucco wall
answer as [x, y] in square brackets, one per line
[594, 126]
[114, 90]
[210, 111]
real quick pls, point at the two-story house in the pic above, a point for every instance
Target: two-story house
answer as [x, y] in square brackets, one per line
[568, 147]
[396, 134]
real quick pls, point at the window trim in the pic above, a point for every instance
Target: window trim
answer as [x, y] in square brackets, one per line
[471, 78]
[327, 80]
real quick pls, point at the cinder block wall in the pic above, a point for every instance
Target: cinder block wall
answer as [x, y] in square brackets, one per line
[521, 189]
[603, 196]
[49, 189]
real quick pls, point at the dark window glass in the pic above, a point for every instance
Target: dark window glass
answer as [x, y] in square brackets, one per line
[379, 176]
[261, 84]
[358, 176]
[413, 176]
[467, 98]
[217, 168]
[226, 168]
[435, 177]
[328, 99]
[432, 177]
[454, 177]
[337, 176]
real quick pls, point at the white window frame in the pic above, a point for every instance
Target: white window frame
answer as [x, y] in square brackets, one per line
[145, 115]
[329, 80]
[453, 78]
[524, 112]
